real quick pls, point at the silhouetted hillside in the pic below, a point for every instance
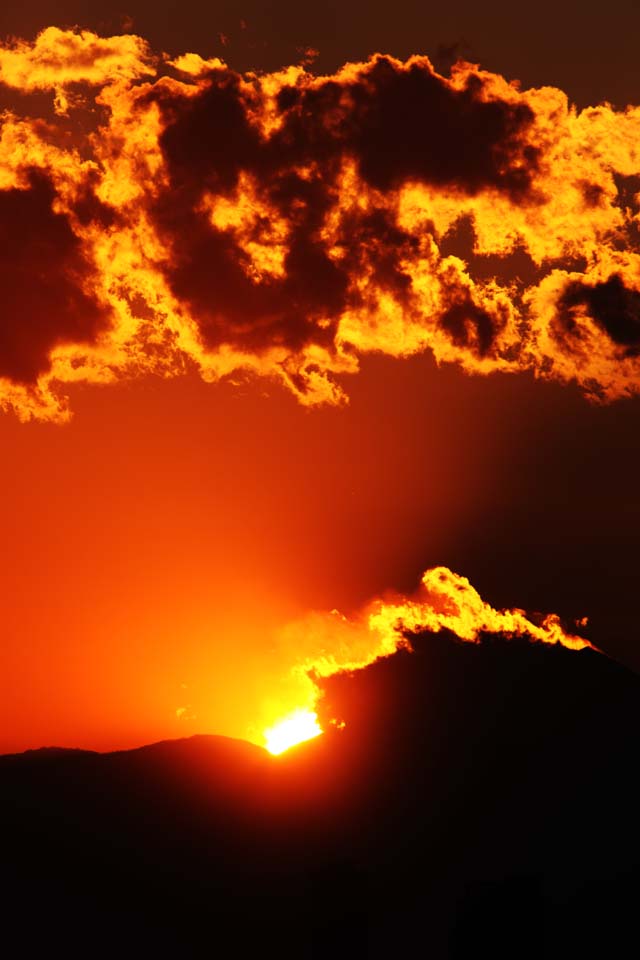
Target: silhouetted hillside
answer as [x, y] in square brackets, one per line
[481, 799]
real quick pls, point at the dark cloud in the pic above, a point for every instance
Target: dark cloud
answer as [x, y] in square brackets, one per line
[208, 138]
[397, 123]
[212, 274]
[207, 143]
[41, 271]
[299, 221]
[374, 245]
[470, 326]
[611, 304]
[405, 123]
[410, 125]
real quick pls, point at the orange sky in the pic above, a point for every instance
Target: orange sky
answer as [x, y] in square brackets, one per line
[155, 545]
[157, 539]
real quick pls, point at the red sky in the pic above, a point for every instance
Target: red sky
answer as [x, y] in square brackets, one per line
[155, 543]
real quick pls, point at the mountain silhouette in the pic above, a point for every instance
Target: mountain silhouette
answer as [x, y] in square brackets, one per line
[481, 799]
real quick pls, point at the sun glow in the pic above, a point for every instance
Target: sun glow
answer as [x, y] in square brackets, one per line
[295, 728]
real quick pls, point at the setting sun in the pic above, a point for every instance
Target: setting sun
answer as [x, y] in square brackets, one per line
[295, 728]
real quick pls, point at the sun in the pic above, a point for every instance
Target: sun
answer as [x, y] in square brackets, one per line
[295, 728]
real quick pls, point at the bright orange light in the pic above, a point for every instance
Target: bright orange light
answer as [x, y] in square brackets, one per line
[295, 728]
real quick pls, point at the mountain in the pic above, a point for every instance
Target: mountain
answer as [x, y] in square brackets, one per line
[480, 799]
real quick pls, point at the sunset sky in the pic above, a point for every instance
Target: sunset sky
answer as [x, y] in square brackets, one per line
[278, 343]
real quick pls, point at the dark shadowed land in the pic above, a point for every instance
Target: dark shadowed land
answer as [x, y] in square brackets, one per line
[482, 800]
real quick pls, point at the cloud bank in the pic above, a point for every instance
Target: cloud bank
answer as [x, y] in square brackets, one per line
[171, 215]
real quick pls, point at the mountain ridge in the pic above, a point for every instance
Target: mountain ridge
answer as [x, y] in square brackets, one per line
[479, 797]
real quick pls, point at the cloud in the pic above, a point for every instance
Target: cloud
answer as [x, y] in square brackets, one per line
[287, 224]
[321, 645]
[59, 59]
[45, 280]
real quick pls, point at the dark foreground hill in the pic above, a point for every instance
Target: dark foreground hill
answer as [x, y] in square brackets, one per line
[482, 800]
